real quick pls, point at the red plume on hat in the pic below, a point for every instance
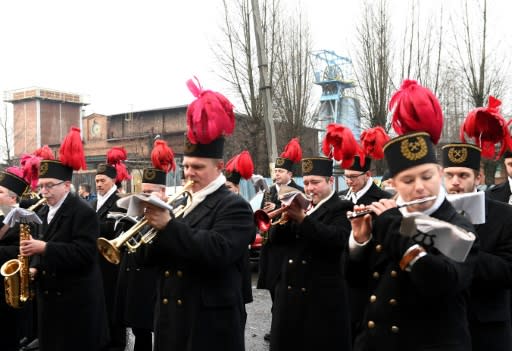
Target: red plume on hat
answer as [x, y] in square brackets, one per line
[71, 151]
[208, 117]
[487, 127]
[293, 151]
[339, 143]
[30, 166]
[162, 156]
[372, 142]
[415, 108]
[45, 153]
[115, 157]
[242, 164]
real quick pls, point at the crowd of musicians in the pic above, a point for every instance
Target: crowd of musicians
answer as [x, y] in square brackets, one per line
[402, 266]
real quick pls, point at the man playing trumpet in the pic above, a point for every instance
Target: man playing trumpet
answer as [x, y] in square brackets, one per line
[310, 308]
[200, 304]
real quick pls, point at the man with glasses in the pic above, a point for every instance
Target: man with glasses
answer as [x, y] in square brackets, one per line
[361, 191]
[70, 305]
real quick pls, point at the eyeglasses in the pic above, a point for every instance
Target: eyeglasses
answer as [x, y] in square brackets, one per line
[353, 177]
[49, 186]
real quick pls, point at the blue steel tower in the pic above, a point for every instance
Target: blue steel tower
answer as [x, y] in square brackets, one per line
[333, 74]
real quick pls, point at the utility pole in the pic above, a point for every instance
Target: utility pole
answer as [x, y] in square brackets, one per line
[265, 87]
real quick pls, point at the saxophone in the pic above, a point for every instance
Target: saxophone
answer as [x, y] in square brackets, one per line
[16, 271]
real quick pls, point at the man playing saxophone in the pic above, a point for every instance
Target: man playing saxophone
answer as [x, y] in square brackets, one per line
[12, 186]
[70, 303]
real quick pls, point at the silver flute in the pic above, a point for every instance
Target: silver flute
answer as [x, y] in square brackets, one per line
[365, 211]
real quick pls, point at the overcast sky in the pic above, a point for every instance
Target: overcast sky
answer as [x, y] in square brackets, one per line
[133, 55]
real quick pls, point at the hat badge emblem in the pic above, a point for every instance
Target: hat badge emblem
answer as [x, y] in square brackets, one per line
[43, 169]
[307, 166]
[414, 148]
[149, 174]
[457, 155]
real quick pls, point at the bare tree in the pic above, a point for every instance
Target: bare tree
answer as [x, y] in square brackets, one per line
[373, 62]
[295, 77]
[236, 54]
[6, 133]
[482, 74]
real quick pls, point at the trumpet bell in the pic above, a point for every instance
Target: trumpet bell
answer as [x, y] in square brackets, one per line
[262, 220]
[109, 250]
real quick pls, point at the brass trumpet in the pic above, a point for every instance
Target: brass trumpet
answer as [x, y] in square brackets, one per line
[263, 220]
[110, 249]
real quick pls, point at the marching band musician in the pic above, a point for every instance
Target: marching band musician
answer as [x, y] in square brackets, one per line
[107, 175]
[200, 303]
[71, 312]
[271, 257]
[136, 291]
[416, 294]
[310, 309]
[12, 185]
[361, 190]
[489, 303]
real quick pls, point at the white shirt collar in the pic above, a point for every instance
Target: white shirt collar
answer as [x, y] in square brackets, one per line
[364, 190]
[53, 209]
[102, 199]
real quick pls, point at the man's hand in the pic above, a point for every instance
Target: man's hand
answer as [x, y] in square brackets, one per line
[32, 247]
[361, 226]
[295, 212]
[157, 217]
[269, 206]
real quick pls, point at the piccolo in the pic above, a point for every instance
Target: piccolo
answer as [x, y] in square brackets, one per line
[366, 211]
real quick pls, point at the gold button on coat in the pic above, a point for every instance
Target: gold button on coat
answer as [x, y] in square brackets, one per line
[179, 302]
[378, 248]
[394, 274]
[167, 274]
[371, 324]
[290, 261]
[373, 298]
[165, 301]
[394, 329]
[179, 274]
[392, 302]
[376, 275]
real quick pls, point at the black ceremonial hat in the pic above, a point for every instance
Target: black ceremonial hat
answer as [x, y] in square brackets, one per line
[319, 166]
[13, 183]
[106, 169]
[215, 149]
[356, 166]
[461, 155]
[409, 150]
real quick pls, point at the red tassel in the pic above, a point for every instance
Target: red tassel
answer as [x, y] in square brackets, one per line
[293, 151]
[372, 142]
[30, 165]
[71, 151]
[208, 117]
[162, 156]
[487, 127]
[116, 155]
[339, 143]
[242, 164]
[415, 109]
[45, 153]
[16, 171]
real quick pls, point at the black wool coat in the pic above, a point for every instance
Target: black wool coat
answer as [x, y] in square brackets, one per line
[310, 308]
[200, 304]
[425, 309]
[359, 296]
[489, 307]
[271, 257]
[109, 271]
[500, 192]
[70, 305]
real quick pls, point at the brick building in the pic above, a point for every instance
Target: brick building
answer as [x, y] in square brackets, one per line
[43, 117]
